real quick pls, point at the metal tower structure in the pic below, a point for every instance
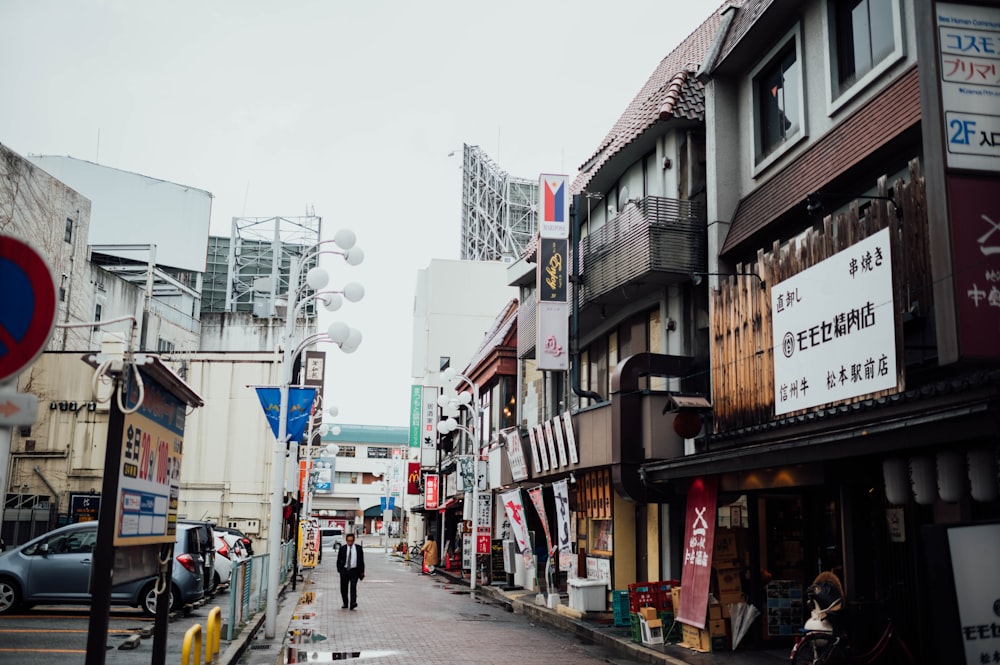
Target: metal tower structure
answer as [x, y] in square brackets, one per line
[254, 262]
[498, 210]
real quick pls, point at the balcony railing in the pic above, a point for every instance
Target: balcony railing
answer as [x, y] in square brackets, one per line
[652, 242]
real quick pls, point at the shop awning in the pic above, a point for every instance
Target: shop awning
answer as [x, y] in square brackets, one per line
[447, 504]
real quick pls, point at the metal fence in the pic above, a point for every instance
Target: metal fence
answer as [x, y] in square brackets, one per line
[288, 555]
[247, 591]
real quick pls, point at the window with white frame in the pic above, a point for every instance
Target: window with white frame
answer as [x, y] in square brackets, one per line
[777, 100]
[865, 35]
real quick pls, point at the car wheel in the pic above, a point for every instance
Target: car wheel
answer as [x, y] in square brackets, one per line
[218, 580]
[148, 599]
[10, 596]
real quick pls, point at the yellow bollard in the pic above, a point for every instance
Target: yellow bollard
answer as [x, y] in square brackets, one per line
[193, 633]
[213, 635]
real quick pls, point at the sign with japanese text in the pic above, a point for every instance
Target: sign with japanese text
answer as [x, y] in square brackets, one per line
[428, 426]
[975, 237]
[560, 440]
[518, 520]
[968, 50]
[431, 491]
[574, 457]
[552, 342]
[564, 526]
[515, 455]
[484, 523]
[150, 472]
[550, 443]
[416, 411]
[834, 328]
[536, 457]
[539, 502]
[699, 538]
[466, 473]
[308, 544]
[84, 507]
[553, 206]
[976, 583]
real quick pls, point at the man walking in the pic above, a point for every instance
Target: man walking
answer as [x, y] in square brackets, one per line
[351, 566]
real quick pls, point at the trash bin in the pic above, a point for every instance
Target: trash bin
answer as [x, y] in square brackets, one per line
[587, 595]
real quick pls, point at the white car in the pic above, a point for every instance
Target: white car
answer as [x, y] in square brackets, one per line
[228, 550]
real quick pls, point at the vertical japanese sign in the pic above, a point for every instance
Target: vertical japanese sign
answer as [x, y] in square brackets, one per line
[466, 473]
[518, 520]
[976, 583]
[975, 237]
[968, 45]
[564, 527]
[484, 523]
[515, 455]
[416, 406]
[574, 457]
[550, 443]
[428, 426]
[308, 544]
[834, 329]
[699, 538]
[536, 460]
[560, 441]
[536, 498]
[552, 334]
[149, 477]
[431, 491]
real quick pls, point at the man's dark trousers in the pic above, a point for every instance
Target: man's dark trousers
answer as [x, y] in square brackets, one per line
[349, 576]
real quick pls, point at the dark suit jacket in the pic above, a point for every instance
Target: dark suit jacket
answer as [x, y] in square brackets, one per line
[342, 559]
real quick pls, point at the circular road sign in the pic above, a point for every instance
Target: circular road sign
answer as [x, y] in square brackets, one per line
[27, 305]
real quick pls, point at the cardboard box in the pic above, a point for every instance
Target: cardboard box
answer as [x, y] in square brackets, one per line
[692, 638]
[721, 643]
[729, 580]
[675, 598]
[714, 612]
[718, 627]
[647, 613]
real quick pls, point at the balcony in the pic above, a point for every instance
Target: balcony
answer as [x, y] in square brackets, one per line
[650, 244]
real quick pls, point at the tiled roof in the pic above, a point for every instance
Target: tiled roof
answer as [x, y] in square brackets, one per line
[671, 92]
[747, 14]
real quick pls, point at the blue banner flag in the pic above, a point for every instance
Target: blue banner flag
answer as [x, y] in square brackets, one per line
[300, 401]
[381, 501]
[392, 503]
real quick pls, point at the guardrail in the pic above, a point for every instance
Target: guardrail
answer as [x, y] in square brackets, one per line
[288, 556]
[247, 591]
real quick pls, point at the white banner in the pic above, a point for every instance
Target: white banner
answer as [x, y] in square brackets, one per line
[518, 520]
[552, 342]
[564, 528]
[550, 444]
[574, 457]
[976, 584]
[542, 454]
[536, 460]
[515, 455]
[835, 328]
[560, 441]
[428, 427]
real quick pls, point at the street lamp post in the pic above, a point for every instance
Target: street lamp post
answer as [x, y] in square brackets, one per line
[347, 338]
[450, 405]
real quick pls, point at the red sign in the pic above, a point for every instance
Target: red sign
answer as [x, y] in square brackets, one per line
[413, 478]
[699, 538]
[483, 544]
[975, 231]
[431, 491]
[28, 313]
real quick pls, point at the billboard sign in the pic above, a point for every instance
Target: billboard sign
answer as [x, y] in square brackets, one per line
[553, 206]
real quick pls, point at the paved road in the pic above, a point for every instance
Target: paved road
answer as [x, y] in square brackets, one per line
[404, 618]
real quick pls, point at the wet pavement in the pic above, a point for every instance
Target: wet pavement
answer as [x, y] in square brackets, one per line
[406, 617]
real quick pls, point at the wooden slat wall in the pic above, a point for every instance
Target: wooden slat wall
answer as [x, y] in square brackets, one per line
[740, 311]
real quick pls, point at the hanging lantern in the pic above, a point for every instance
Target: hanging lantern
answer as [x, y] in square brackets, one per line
[983, 481]
[923, 480]
[951, 475]
[897, 482]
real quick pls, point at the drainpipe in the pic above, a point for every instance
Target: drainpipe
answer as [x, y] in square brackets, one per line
[575, 319]
[55, 493]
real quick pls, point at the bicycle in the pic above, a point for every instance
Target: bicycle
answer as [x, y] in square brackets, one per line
[818, 647]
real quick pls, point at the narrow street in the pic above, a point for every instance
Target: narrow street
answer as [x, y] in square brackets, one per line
[404, 617]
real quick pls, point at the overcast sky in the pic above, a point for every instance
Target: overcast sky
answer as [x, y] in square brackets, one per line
[347, 108]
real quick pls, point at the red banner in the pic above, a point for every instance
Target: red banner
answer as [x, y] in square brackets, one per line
[536, 498]
[699, 538]
[413, 478]
[431, 491]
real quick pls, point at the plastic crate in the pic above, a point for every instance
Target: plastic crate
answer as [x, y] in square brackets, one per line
[640, 594]
[636, 628]
[671, 629]
[620, 605]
